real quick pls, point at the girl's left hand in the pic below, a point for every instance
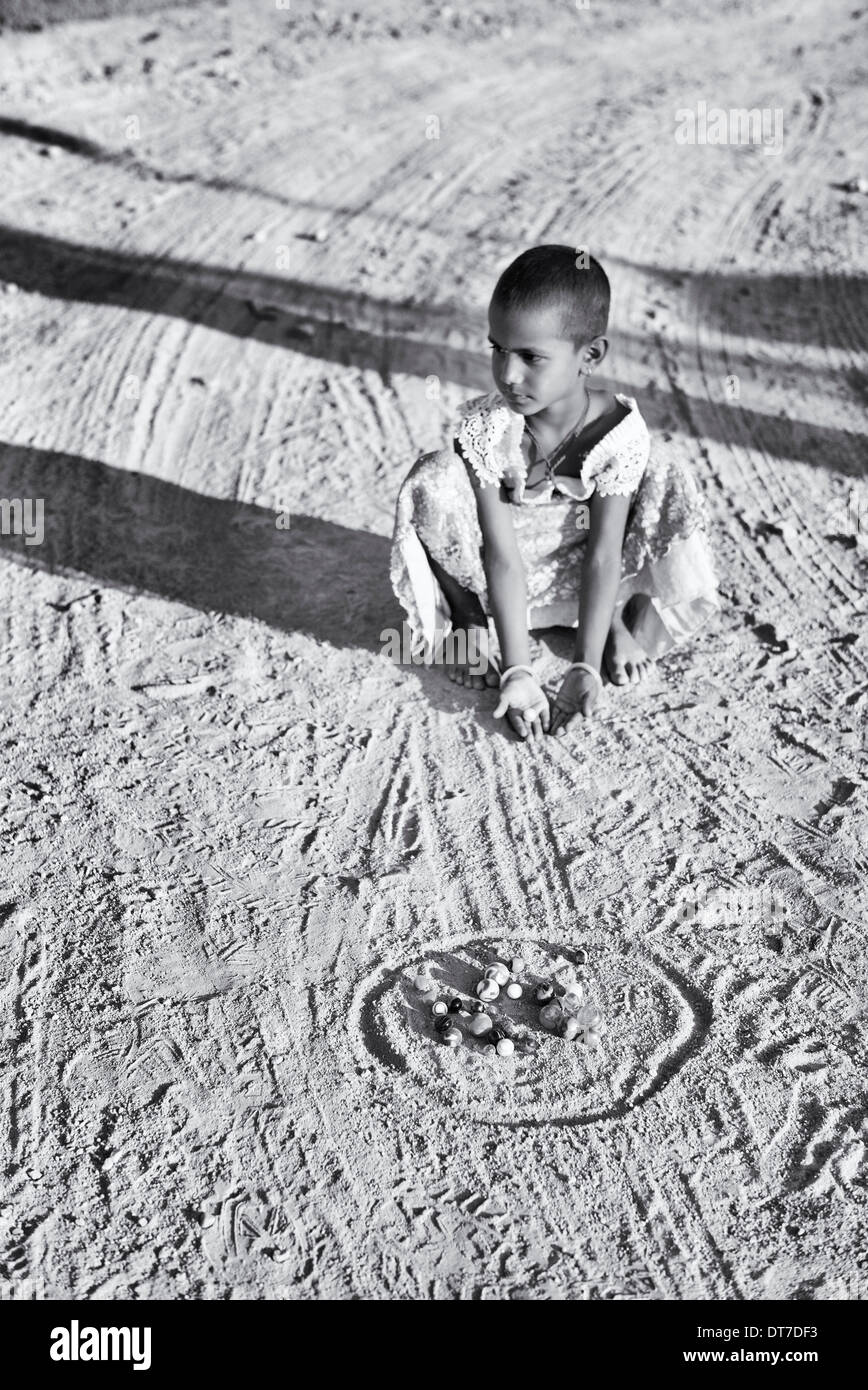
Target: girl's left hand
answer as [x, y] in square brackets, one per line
[576, 698]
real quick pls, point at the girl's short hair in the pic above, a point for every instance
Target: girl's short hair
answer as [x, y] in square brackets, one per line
[568, 277]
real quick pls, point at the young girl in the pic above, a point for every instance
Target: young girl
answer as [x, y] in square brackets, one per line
[549, 509]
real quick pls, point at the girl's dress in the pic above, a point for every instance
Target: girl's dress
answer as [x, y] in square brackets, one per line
[666, 556]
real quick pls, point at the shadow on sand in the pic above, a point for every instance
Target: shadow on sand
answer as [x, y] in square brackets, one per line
[359, 330]
[138, 533]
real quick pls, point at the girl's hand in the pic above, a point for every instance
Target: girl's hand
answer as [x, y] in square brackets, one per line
[524, 702]
[576, 699]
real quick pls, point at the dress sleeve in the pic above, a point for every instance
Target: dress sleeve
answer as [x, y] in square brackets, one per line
[620, 471]
[488, 434]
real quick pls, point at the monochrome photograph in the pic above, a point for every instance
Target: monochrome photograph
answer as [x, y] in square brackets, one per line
[433, 534]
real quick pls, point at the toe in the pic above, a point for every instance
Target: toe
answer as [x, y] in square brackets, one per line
[491, 677]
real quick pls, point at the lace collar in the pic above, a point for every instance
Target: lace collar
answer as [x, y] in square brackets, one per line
[489, 432]
[622, 437]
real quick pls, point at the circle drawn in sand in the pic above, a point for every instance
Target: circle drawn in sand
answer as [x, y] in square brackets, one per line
[655, 1020]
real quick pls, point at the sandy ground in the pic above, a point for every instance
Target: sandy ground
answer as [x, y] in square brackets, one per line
[233, 830]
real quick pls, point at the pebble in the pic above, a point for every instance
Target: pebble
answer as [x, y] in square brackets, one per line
[479, 1025]
[505, 1047]
[572, 1000]
[514, 990]
[591, 1038]
[543, 993]
[550, 1015]
[488, 990]
[320, 234]
[477, 1006]
[439, 1008]
[516, 965]
[260, 310]
[582, 957]
[859, 185]
[443, 1022]
[570, 1029]
[423, 983]
[452, 1036]
[455, 1006]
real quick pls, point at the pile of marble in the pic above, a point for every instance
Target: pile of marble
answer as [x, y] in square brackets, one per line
[564, 1006]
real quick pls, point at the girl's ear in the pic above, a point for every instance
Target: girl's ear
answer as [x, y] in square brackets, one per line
[595, 351]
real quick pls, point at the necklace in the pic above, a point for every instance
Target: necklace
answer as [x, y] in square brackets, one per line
[549, 467]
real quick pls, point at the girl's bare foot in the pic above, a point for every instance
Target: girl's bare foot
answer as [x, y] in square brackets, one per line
[625, 661]
[467, 655]
[465, 650]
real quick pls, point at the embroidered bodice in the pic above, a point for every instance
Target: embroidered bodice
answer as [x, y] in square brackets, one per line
[490, 435]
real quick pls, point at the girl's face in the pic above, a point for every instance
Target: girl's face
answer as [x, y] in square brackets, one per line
[532, 365]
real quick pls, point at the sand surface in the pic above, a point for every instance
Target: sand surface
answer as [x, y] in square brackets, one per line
[234, 831]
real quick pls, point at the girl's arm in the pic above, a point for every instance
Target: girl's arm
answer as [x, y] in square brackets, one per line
[504, 571]
[507, 594]
[601, 575]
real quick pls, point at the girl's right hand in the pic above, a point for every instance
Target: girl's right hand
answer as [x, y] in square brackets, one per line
[524, 702]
